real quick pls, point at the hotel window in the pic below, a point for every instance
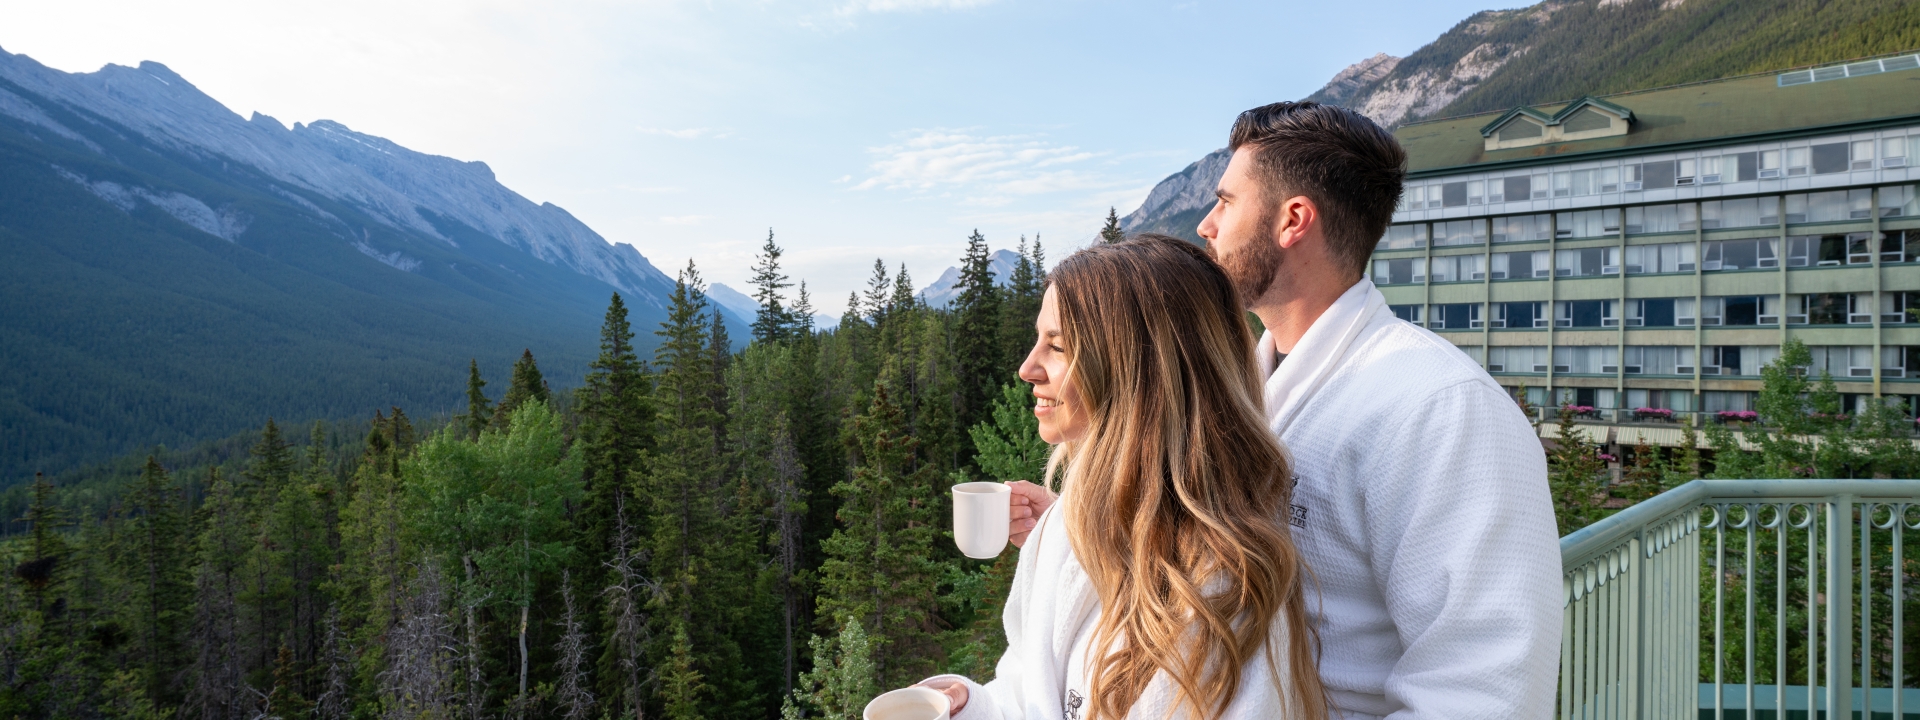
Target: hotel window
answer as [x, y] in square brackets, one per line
[1841, 361]
[1597, 398]
[1830, 250]
[1660, 219]
[1586, 360]
[1736, 359]
[1586, 262]
[1414, 197]
[1562, 184]
[1900, 200]
[1453, 194]
[1685, 171]
[1746, 212]
[1401, 237]
[1663, 258]
[1796, 161]
[1539, 186]
[1479, 354]
[1476, 192]
[1400, 272]
[1860, 155]
[1587, 223]
[1660, 312]
[1830, 309]
[1631, 178]
[1518, 315]
[1739, 255]
[1458, 268]
[1899, 246]
[1512, 189]
[1711, 169]
[1899, 308]
[1893, 152]
[1739, 167]
[1651, 175]
[1676, 400]
[1460, 232]
[1520, 265]
[1517, 359]
[1713, 401]
[1585, 314]
[1829, 158]
[1740, 310]
[1770, 167]
[1658, 360]
[1595, 181]
[1900, 362]
[1409, 313]
[1522, 228]
[1455, 316]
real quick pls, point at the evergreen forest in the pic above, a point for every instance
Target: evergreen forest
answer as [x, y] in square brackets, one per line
[694, 533]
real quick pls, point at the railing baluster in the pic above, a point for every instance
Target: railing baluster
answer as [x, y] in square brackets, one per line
[1866, 611]
[1839, 608]
[1719, 610]
[1899, 683]
[1631, 707]
[1780, 610]
[1566, 651]
[1750, 523]
[1813, 609]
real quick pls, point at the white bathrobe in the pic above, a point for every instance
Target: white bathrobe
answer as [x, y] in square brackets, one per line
[1050, 617]
[1421, 505]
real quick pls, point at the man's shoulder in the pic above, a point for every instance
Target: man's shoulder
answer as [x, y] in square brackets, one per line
[1408, 362]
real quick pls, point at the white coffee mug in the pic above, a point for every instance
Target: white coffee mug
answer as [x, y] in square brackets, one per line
[980, 518]
[914, 703]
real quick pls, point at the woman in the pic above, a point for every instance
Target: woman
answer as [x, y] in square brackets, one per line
[1164, 582]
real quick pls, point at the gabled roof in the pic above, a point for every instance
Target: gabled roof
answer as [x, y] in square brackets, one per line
[1558, 117]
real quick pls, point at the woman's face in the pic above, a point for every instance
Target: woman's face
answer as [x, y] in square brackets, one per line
[1055, 402]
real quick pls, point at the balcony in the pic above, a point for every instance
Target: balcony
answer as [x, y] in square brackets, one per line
[1740, 598]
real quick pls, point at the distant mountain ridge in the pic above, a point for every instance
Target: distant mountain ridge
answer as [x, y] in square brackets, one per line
[176, 272]
[944, 290]
[1562, 49]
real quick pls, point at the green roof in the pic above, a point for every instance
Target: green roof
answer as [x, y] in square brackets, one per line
[1555, 118]
[1719, 112]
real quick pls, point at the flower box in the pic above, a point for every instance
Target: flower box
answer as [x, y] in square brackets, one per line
[1729, 416]
[1649, 413]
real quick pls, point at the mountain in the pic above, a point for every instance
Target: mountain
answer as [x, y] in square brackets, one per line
[177, 272]
[942, 292]
[1563, 49]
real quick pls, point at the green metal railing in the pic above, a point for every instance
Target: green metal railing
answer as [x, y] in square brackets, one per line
[1754, 558]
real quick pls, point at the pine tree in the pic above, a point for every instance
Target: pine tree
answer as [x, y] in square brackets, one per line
[272, 459]
[803, 313]
[219, 686]
[1576, 477]
[976, 333]
[527, 385]
[615, 432]
[42, 565]
[158, 566]
[1022, 307]
[843, 677]
[479, 413]
[878, 288]
[681, 686]
[1112, 233]
[773, 323]
[572, 693]
[879, 568]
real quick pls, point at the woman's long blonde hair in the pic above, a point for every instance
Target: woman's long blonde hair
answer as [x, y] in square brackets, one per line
[1177, 498]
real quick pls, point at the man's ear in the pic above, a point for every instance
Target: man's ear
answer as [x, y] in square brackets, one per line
[1298, 219]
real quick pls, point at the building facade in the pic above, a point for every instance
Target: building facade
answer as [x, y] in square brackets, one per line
[1644, 254]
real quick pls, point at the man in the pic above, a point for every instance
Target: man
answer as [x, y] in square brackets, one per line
[1420, 496]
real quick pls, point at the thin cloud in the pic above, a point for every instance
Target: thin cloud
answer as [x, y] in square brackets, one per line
[884, 6]
[684, 219]
[985, 170]
[688, 133]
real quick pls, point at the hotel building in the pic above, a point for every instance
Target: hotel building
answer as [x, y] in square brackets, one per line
[1650, 251]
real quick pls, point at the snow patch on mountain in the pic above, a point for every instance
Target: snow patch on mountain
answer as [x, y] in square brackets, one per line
[396, 259]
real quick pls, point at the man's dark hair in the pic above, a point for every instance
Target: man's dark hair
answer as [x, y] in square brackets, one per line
[1350, 167]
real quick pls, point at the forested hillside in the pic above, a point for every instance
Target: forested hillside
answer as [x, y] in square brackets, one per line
[691, 533]
[1563, 49]
[175, 273]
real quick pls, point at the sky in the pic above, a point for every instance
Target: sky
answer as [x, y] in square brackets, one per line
[852, 129]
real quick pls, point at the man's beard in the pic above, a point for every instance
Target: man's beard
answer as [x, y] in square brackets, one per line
[1253, 268]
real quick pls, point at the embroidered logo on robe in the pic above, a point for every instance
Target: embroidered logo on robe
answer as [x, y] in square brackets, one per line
[1070, 710]
[1299, 512]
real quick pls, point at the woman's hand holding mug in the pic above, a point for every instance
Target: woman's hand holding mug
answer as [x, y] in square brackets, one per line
[1029, 501]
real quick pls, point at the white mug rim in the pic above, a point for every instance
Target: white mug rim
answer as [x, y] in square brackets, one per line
[943, 702]
[982, 488]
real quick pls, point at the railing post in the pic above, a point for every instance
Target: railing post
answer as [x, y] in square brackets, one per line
[1840, 607]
